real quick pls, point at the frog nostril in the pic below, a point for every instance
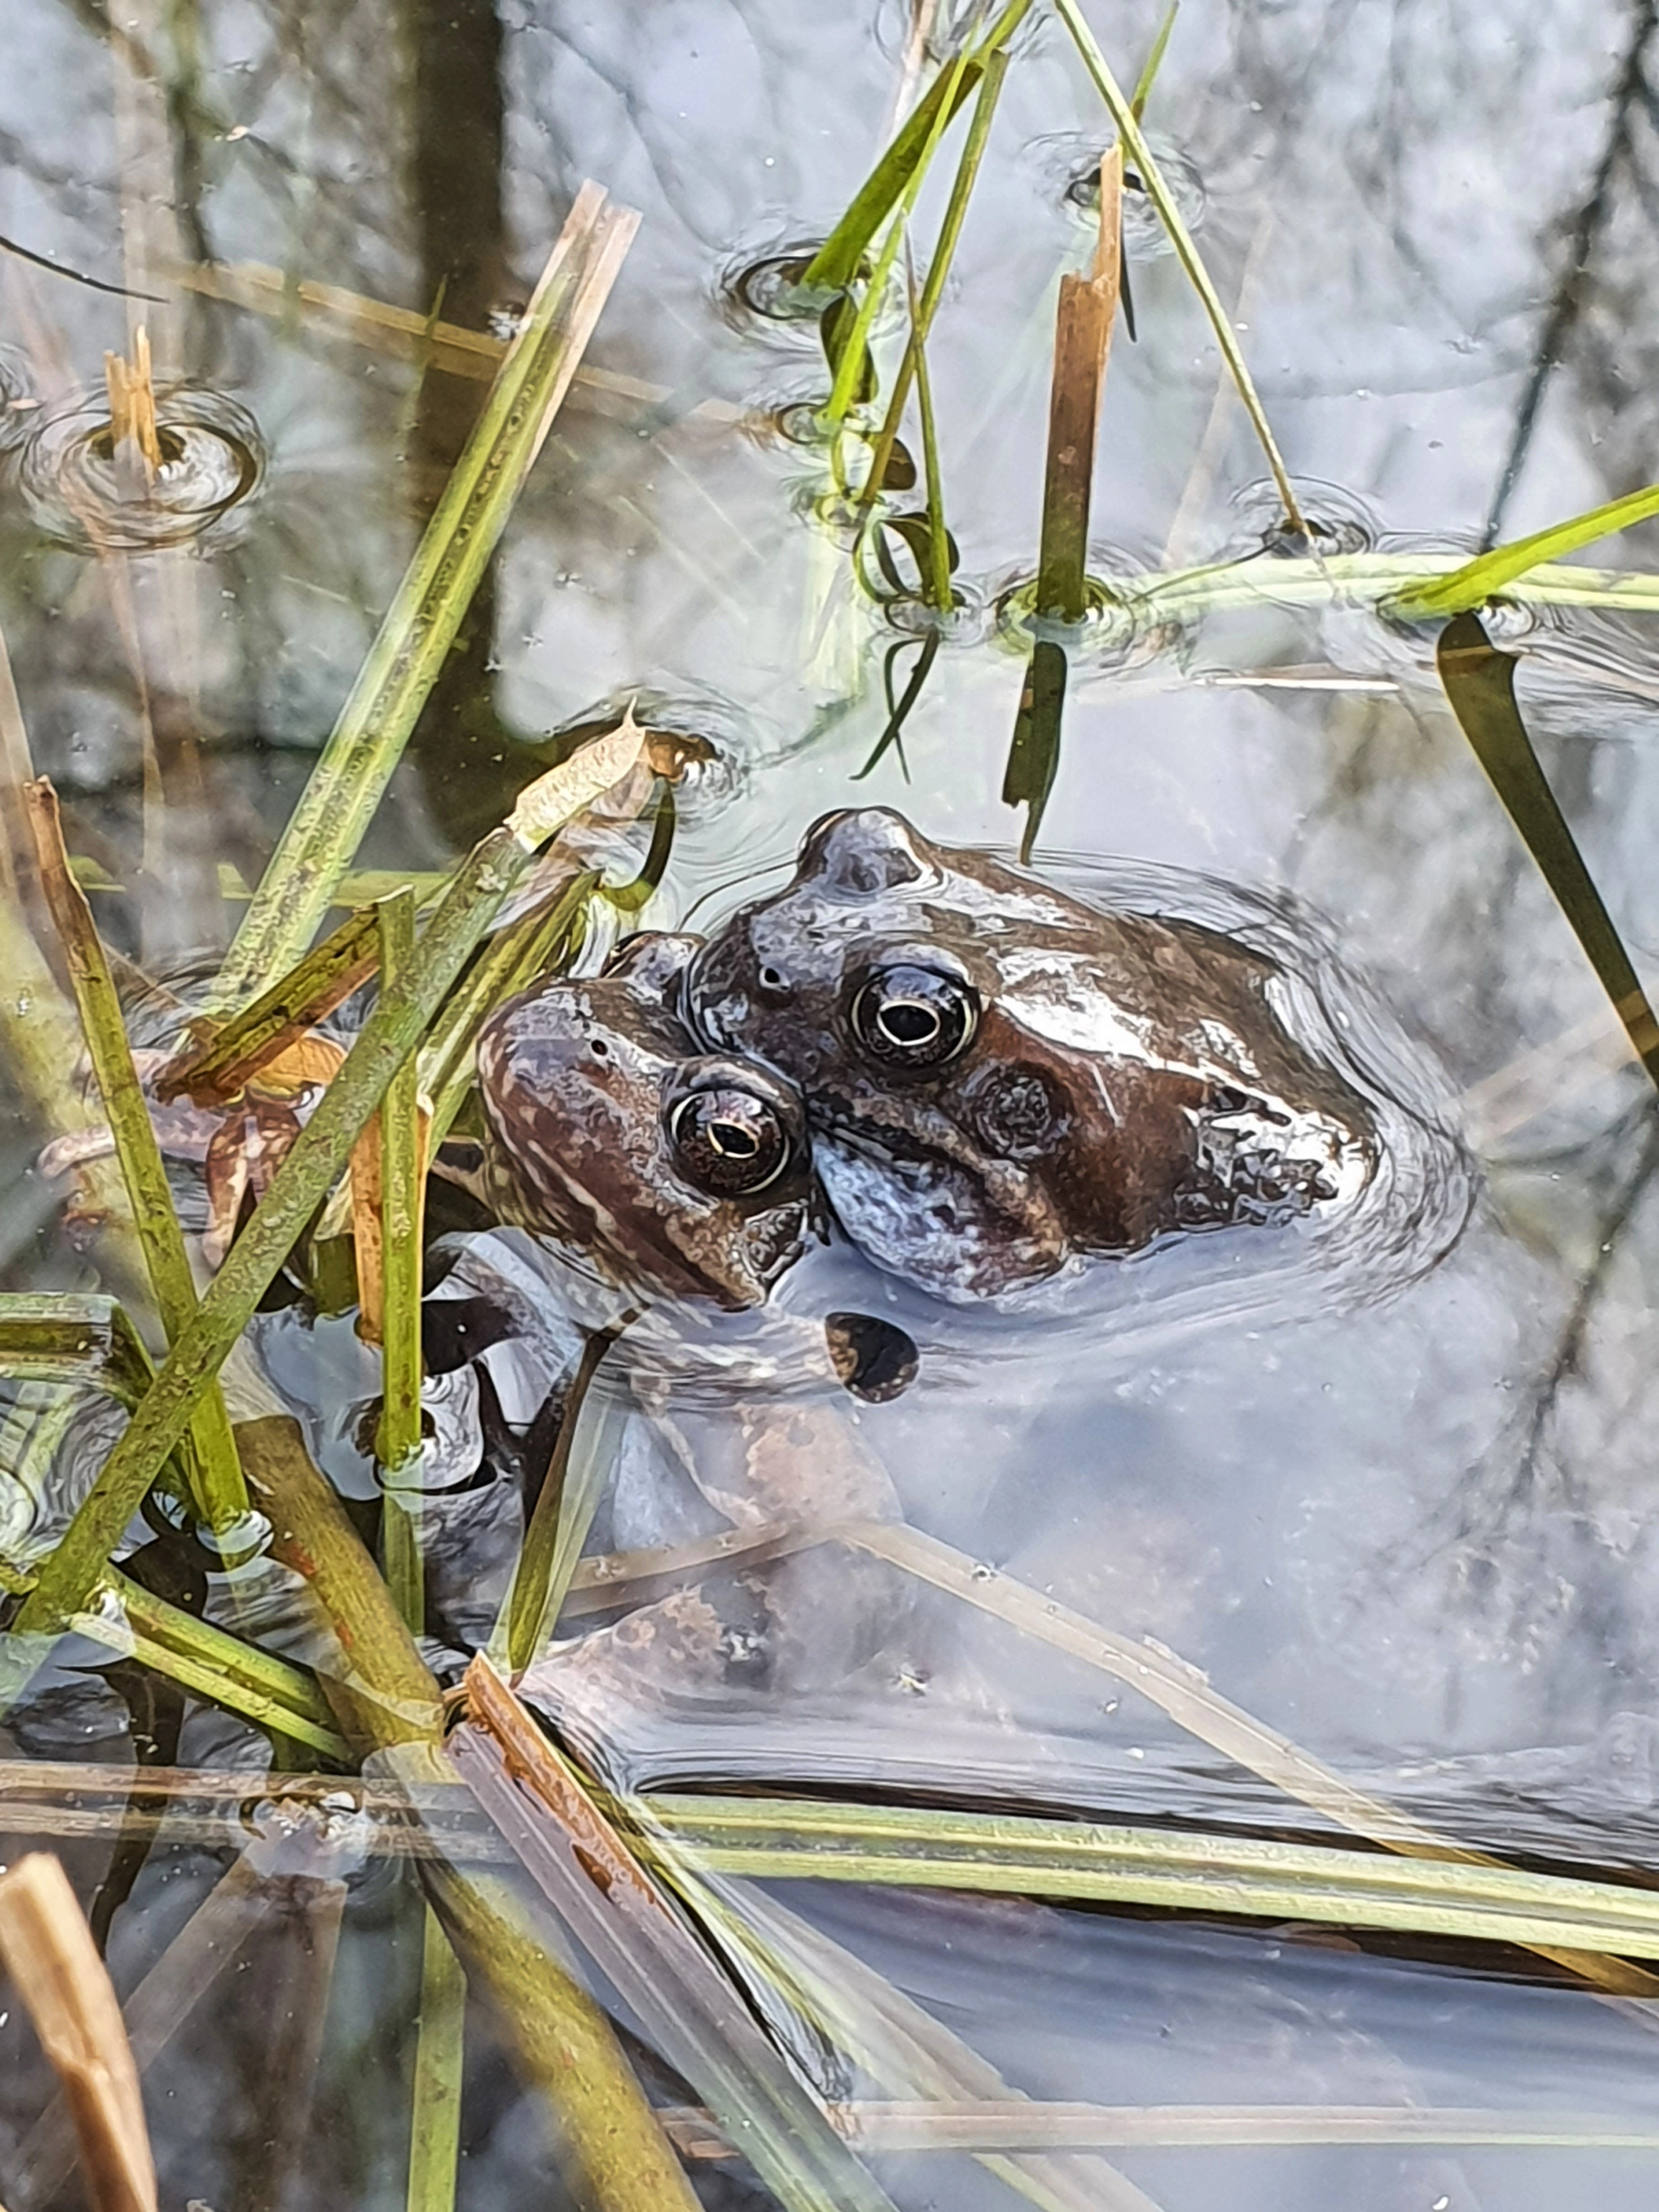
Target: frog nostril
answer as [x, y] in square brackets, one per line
[599, 1048]
[771, 979]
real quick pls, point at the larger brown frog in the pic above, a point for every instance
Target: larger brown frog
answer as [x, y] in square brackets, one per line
[1002, 1079]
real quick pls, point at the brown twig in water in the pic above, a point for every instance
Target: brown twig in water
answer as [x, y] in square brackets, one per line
[132, 406]
[54, 1964]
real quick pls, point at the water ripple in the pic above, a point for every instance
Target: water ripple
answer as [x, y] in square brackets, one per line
[81, 493]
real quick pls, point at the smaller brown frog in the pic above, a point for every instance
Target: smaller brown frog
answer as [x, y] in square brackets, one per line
[683, 1173]
[1001, 1078]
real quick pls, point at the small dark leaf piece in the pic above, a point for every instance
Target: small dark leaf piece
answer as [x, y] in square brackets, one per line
[1034, 755]
[1479, 682]
[1125, 297]
[874, 1359]
[900, 473]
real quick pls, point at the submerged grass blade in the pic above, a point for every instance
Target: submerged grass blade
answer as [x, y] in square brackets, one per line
[1185, 1695]
[220, 1494]
[495, 865]
[1187, 253]
[324, 979]
[434, 2131]
[768, 1840]
[559, 1524]
[1478, 580]
[1479, 682]
[1034, 755]
[613, 1908]
[421, 625]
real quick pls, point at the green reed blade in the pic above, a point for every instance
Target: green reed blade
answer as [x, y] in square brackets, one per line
[936, 576]
[1478, 580]
[488, 873]
[938, 268]
[434, 2131]
[1479, 682]
[1148, 78]
[324, 979]
[220, 1496]
[74, 1337]
[854, 348]
[212, 1665]
[1187, 253]
[767, 1839]
[321, 838]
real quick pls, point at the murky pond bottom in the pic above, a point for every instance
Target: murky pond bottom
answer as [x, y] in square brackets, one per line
[1275, 1537]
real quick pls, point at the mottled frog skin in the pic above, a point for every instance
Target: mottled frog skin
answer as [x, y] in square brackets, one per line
[1001, 1078]
[681, 1172]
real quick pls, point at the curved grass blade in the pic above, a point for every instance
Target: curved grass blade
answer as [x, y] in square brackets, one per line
[1479, 682]
[1478, 580]
[367, 740]
[898, 710]
[1187, 253]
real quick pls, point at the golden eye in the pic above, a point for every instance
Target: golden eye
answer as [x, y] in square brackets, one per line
[729, 1142]
[909, 1016]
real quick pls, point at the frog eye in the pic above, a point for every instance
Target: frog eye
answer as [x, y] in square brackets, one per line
[728, 1141]
[909, 1016]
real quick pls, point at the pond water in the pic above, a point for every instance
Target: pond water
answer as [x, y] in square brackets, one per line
[1397, 1503]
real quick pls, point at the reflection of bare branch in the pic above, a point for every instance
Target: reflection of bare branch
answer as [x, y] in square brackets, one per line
[1570, 1343]
[1571, 292]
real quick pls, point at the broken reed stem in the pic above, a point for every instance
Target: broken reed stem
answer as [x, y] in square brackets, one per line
[938, 268]
[1083, 339]
[367, 741]
[221, 1496]
[133, 407]
[56, 1970]
[1134, 144]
